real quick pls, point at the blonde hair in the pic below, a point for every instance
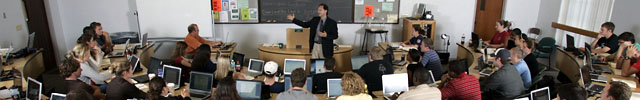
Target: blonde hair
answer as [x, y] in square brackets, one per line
[79, 51]
[222, 68]
[120, 68]
[377, 53]
[352, 84]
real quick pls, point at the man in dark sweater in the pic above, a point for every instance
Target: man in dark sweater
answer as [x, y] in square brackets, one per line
[320, 80]
[505, 83]
[70, 70]
[372, 72]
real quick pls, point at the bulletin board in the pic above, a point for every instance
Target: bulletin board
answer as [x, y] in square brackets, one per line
[235, 11]
[384, 11]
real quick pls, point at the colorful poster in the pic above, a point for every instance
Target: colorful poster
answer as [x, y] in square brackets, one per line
[225, 5]
[216, 5]
[368, 10]
[216, 15]
[253, 13]
[243, 4]
[233, 4]
[244, 12]
[235, 14]
[224, 16]
[387, 6]
[359, 2]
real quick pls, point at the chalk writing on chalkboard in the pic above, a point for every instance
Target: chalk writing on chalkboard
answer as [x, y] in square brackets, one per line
[276, 11]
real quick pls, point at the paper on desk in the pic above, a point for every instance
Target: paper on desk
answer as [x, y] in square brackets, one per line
[344, 46]
[631, 83]
[141, 86]
[635, 96]
[407, 48]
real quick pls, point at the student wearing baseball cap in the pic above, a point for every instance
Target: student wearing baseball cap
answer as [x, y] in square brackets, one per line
[505, 83]
[271, 80]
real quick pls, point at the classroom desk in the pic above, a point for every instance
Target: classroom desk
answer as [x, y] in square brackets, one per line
[227, 52]
[19, 64]
[272, 53]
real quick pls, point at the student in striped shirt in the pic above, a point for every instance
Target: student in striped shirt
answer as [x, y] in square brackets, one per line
[457, 85]
[430, 58]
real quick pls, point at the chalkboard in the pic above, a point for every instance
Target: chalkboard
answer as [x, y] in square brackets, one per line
[276, 11]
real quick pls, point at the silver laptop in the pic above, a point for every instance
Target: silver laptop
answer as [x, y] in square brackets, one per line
[540, 94]
[394, 83]
[144, 41]
[255, 67]
[57, 96]
[292, 64]
[33, 89]
[334, 87]
[200, 84]
[172, 74]
[120, 53]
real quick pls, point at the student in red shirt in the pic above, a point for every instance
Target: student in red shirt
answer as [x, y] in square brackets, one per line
[501, 37]
[629, 67]
[457, 85]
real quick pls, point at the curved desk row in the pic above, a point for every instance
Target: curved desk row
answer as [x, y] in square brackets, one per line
[271, 53]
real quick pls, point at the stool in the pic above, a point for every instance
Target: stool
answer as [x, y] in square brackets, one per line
[380, 31]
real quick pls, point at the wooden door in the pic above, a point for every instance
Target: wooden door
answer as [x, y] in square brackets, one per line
[488, 12]
[38, 23]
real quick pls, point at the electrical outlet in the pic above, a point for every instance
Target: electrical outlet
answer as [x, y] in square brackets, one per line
[18, 27]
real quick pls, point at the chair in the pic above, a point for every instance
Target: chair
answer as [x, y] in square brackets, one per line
[535, 31]
[568, 65]
[34, 67]
[537, 78]
[545, 48]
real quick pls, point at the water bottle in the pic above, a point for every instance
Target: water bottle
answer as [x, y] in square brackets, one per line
[480, 43]
[462, 41]
[233, 65]
[159, 73]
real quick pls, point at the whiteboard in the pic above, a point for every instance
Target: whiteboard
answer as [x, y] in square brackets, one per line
[170, 18]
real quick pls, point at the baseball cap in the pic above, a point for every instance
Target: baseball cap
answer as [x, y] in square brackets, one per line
[270, 68]
[502, 53]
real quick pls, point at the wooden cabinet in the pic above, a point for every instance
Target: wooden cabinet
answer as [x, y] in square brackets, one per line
[408, 28]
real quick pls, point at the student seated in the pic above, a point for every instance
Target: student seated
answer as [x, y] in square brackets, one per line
[572, 91]
[458, 85]
[226, 90]
[505, 83]
[194, 40]
[521, 66]
[96, 54]
[122, 87]
[414, 62]
[78, 95]
[616, 90]
[606, 40]
[625, 40]
[90, 73]
[101, 37]
[70, 70]
[202, 60]
[416, 37]
[320, 80]
[353, 87]
[500, 38]
[271, 72]
[529, 58]
[515, 35]
[626, 63]
[179, 55]
[297, 90]
[222, 70]
[158, 90]
[430, 58]
[372, 72]
[423, 91]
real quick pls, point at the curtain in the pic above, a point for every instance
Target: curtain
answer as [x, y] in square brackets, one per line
[584, 14]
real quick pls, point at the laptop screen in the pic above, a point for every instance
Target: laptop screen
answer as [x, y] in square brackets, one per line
[586, 76]
[431, 78]
[358, 61]
[395, 83]
[33, 89]
[57, 96]
[249, 89]
[308, 86]
[317, 66]
[200, 82]
[540, 94]
[239, 58]
[292, 64]
[255, 65]
[134, 61]
[334, 88]
[570, 41]
[171, 74]
[155, 66]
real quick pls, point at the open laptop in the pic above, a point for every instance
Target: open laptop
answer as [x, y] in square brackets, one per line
[358, 61]
[570, 44]
[200, 84]
[172, 74]
[541, 94]
[33, 89]
[144, 41]
[317, 66]
[255, 67]
[120, 53]
[394, 83]
[308, 86]
[292, 64]
[135, 63]
[155, 66]
[586, 81]
[249, 90]
[57, 96]
[590, 61]
[334, 87]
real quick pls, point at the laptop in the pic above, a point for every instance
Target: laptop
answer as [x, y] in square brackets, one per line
[135, 63]
[586, 81]
[334, 87]
[486, 72]
[317, 66]
[57, 96]
[155, 66]
[292, 64]
[590, 60]
[144, 41]
[570, 44]
[541, 94]
[172, 74]
[308, 86]
[239, 59]
[432, 79]
[358, 61]
[255, 67]
[249, 90]
[200, 84]
[33, 89]
[120, 53]
[394, 83]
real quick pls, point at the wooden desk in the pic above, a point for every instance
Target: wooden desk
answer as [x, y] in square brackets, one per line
[19, 64]
[271, 53]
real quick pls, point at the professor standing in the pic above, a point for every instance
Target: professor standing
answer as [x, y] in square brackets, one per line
[323, 31]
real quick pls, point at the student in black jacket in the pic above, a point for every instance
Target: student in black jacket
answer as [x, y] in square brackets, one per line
[323, 31]
[414, 63]
[158, 90]
[372, 72]
[320, 80]
[121, 87]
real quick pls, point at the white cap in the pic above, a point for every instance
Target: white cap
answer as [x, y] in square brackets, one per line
[270, 68]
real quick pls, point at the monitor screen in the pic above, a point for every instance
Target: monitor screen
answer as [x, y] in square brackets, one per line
[33, 89]
[292, 64]
[57, 96]
[239, 58]
[155, 66]
[317, 66]
[249, 89]
[358, 61]
[134, 61]
[255, 65]
[171, 74]
[334, 87]
[540, 94]
[395, 83]
[200, 82]
[308, 86]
